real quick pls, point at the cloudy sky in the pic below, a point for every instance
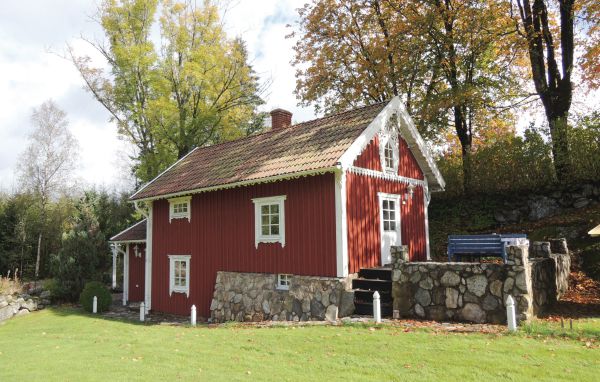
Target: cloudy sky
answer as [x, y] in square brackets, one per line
[33, 36]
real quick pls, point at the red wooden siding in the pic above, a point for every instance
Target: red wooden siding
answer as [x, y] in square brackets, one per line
[136, 273]
[220, 236]
[407, 166]
[364, 236]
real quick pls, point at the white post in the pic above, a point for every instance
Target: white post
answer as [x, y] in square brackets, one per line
[193, 318]
[114, 268]
[95, 305]
[376, 308]
[126, 275]
[142, 311]
[511, 319]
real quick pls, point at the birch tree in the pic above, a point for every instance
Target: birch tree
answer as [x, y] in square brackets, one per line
[46, 166]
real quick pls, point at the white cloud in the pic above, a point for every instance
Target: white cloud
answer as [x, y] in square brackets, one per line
[34, 72]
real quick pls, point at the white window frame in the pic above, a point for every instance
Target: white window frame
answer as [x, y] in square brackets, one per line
[397, 199]
[392, 140]
[258, 236]
[286, 283]
[180, 215]
[172, 287]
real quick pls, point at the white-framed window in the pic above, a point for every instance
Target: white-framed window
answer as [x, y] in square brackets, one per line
[180, 208]
[389, 209]
[269, 220]
[179, 274]
[389, 153]
[284, 281]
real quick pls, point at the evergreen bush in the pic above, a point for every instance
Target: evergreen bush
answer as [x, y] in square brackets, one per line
[95, 288]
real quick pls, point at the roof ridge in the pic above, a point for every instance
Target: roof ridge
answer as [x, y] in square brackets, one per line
[337, 114]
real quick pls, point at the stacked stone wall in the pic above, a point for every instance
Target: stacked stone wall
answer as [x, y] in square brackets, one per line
[255, 297]
[477, 292]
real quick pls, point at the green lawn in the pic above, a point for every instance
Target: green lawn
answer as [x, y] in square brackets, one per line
[66, 345]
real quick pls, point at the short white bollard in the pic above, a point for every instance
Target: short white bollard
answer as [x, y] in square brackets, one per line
[376, 307]
[142, 311]
[511, 319]
[95, 305]
[193, 317]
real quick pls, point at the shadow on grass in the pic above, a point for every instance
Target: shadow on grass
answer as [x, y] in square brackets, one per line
[112, 315]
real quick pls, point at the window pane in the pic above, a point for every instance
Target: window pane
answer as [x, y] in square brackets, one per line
[264, 219]
[392, 204]
[385, 205]
[264, 210]
[265, 230]
[386, 214]
[275, 219]
[275, 230]
[386, 225]
[392, 215]
[392, 226]
[274, 208]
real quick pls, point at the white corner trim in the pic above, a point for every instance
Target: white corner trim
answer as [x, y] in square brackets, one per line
[258, 236]
[426, 200]
[148, 268]
[180, 215]
[385, 176]
[341, 224]
[172, 287]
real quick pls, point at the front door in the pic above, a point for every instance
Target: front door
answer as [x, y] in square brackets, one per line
[389, 216]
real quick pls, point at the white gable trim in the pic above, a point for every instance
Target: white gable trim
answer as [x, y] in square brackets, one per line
[408, 132]
[161, 174]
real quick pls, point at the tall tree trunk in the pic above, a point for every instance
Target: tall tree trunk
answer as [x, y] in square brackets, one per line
[39, 256]
[560, 147]
[466, 141]
[553, 87]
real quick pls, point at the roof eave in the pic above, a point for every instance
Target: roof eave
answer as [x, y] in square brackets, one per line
[251, 182]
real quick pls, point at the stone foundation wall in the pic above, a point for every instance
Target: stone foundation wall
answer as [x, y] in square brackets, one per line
[255, 297]
[549, 274]
[477, 292]
[462, 291]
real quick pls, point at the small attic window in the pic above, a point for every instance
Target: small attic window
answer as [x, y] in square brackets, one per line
[180, 208]
[389, 155]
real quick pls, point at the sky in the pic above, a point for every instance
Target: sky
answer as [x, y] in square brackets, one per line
[33, 38]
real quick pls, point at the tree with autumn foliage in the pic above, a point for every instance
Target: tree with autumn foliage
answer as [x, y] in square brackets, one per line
[195, 89]
[452, 62]
[549, 30]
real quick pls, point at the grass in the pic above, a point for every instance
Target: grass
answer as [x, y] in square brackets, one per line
[583, 329]
[67, 345]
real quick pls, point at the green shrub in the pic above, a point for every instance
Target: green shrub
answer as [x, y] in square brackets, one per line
[95, 288]
[591, 261]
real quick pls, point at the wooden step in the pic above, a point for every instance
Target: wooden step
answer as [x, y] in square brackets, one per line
[366, 309]
[372, 285]
[361, 295]
[376, 273]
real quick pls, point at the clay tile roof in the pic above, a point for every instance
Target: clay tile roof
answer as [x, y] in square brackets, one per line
[136, 232]
[308, 146]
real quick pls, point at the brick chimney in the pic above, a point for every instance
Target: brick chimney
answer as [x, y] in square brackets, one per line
[280, 119]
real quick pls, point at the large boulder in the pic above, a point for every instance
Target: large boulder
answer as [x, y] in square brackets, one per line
[473, 313]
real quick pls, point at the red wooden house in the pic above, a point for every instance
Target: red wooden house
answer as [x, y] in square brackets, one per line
[320, 198]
